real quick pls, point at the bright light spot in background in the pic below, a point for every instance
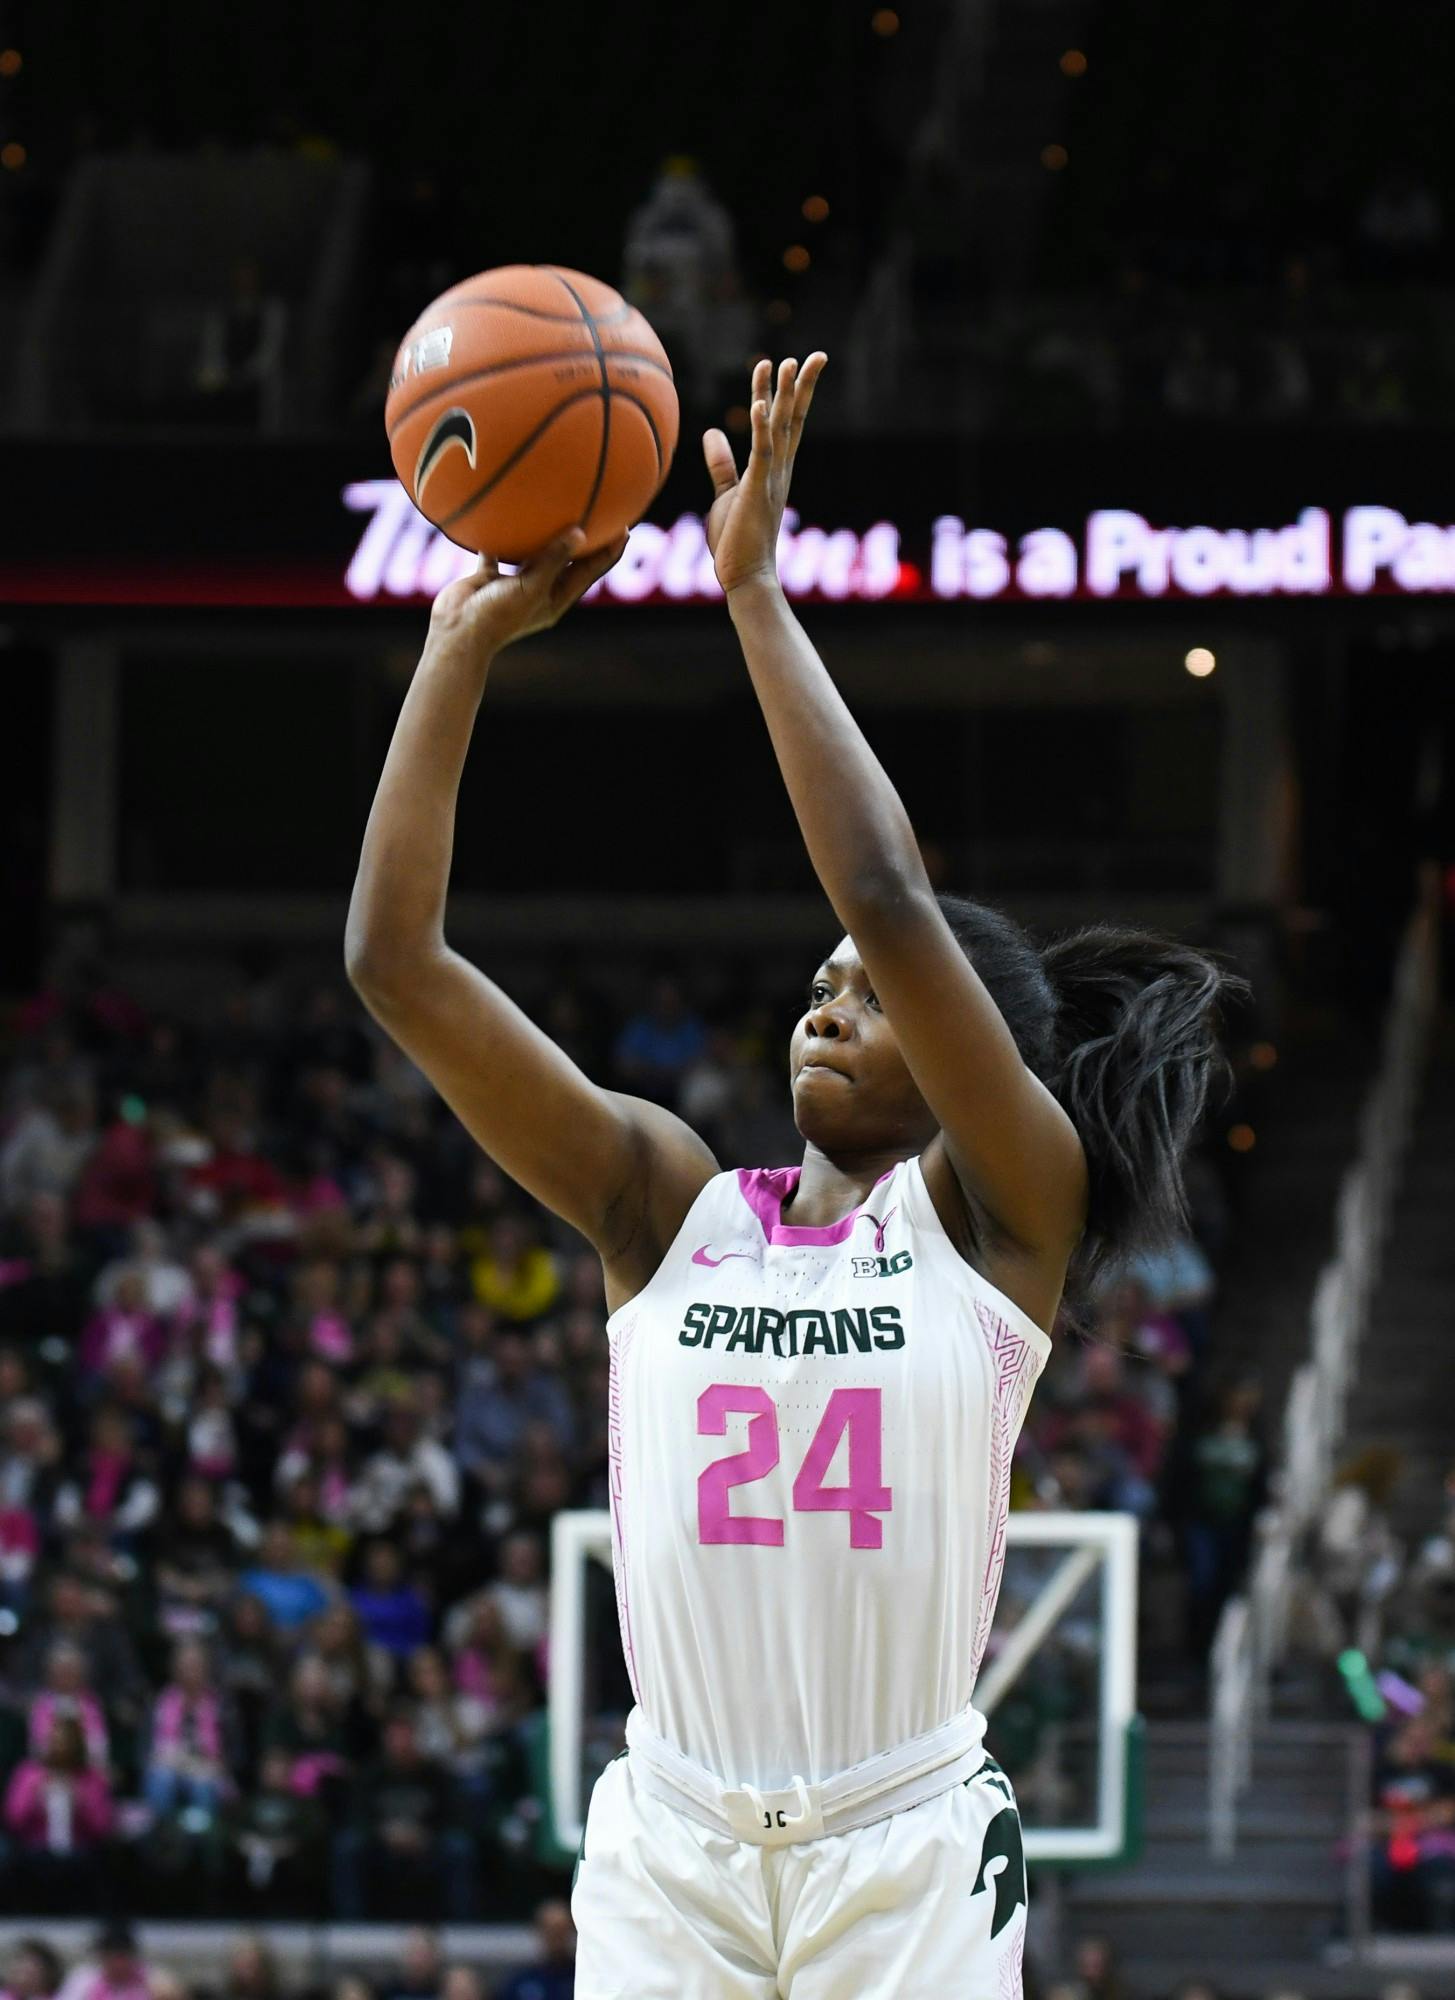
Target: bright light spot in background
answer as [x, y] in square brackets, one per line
[1242, 1138]
[815, 209]
[1200, 662]
[796, 258]
[10, 62]
[1054, 158]
[1073, 63]
[12, 157]
[885, 22]
[1262, 1055]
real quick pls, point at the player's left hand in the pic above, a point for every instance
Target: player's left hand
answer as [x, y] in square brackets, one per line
[747, 512]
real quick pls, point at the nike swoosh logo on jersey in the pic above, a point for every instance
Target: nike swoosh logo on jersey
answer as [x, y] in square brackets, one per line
[700, 1256]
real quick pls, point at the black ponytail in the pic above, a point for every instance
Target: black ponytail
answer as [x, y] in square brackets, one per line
[1122, 1027]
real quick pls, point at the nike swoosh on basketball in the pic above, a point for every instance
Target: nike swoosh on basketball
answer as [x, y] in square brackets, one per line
[700, 1256]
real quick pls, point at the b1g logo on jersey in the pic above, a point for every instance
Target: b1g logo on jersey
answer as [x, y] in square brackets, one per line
[882, 1267]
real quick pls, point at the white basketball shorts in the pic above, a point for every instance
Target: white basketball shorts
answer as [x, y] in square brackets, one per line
[928, 1902]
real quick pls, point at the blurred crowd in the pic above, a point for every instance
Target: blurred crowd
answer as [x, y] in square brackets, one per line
[292, 1383]
[115, 1966]
[1385, 1613]
[1097, 1975]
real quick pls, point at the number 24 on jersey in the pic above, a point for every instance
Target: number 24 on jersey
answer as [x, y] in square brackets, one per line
[863, 1499]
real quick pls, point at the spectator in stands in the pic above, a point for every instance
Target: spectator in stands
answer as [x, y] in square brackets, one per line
[1179, 1280]
[519, 1592]
[1227, 1478]
[115, 1970]
[311, 1727]
[195, 1554]
[32, 1971]
[401, 1844]
[187, 1765]
[291, 1594]
[1097, 1969]
[515, 1276]
[659, 1044]
[58, 1815]
[552, 1975]
[321, 1545]
[1412, 1832]
[78, 1612]
[491, 1424]
[124, 1327]
[274, 1842]
[29, 1477]
[407, 1458]
[420, 1974]
[391, 1610]
[1357, 1560]
[47, 1146]
[487, 1671]
[678, 265]
[113, 1490]
[252, 1970]
[250, 1669]
[66, 1693]
[45, 1275]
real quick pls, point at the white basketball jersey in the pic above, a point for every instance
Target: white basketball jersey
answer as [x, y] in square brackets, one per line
[811, 1434]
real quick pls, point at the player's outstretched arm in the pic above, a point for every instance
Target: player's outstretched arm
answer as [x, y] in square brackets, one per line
[1013, 1150]
[622, 1171]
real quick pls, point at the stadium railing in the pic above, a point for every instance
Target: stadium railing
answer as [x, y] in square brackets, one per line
[1252, 1635]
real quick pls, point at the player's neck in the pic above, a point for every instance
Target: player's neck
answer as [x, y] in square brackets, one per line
[829, 1189]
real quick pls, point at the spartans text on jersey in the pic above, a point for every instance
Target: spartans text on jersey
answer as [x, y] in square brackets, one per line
[850, 1330]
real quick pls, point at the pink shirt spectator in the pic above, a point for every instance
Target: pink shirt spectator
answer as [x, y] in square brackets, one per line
[47, 1708]
[54, 1813]
[115, 1335]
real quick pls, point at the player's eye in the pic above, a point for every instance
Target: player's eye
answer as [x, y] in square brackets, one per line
[818, 992]
[873, 1000]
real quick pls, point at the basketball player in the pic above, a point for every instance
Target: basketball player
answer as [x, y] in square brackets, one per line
[818, 1372]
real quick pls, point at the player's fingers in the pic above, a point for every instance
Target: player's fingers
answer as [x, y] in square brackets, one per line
[783, 402]
[803, 396]
[762, 453]
[721, 466]
[539, 577]
[487, 570]
[762, 380]
[579, 578]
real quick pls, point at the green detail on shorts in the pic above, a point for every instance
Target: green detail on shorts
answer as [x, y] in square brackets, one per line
[991, 1772]
[1003, 1845]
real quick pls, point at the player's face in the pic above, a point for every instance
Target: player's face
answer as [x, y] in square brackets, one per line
[852, 1090]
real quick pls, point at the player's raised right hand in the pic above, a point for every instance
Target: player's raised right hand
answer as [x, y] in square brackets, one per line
[486, 610]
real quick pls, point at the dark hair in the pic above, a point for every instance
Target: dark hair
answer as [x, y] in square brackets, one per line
[1121, 1027]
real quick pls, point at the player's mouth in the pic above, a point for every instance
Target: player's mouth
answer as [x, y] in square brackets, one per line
[815, 1063]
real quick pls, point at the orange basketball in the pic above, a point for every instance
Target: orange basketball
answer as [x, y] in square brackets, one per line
[527, 401]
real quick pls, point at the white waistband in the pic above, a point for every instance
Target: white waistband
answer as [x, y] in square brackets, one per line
[889, 1782]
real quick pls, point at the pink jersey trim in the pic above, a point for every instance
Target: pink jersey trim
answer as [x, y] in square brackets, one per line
[618, 1349]
[1015, 1363]
[765, 1189]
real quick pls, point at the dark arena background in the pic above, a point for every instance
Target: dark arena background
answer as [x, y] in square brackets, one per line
[1125, 524]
